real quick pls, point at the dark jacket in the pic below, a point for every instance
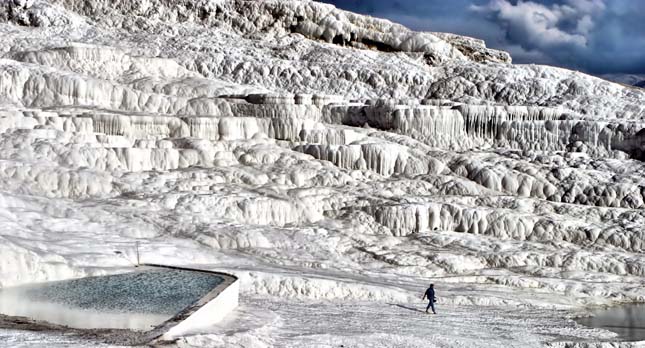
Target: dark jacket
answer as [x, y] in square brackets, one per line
[430, 294]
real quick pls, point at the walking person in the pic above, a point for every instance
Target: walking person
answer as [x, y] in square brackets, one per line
[430, 295]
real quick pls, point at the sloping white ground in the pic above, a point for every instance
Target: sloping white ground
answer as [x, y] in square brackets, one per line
[336, 163]
[297, 324]
[271, 322]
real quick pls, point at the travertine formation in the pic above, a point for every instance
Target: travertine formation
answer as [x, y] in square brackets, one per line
[271, 136]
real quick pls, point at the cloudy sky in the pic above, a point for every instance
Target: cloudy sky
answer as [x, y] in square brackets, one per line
[595, 36]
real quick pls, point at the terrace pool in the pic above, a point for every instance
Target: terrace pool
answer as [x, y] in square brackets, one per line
[137, 300]
[628, 321]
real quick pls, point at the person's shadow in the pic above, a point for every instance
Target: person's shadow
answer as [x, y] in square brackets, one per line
[407, 307]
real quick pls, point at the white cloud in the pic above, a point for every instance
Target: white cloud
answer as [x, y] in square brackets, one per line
[585, 24]
[588, 6]
[536, 26]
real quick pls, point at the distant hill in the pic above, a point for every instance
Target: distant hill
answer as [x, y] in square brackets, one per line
[626, 79]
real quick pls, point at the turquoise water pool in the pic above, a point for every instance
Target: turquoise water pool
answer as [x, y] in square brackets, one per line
[628, 321]
[138, 300]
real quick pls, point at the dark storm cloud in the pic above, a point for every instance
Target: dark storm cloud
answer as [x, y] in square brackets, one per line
[597, 36]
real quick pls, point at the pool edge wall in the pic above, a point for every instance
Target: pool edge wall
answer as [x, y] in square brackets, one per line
[211, 313]
[209, 310]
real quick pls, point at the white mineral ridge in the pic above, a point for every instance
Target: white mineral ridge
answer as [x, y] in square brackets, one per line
[337, 163]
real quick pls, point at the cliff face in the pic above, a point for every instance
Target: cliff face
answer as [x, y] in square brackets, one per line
[269, 136]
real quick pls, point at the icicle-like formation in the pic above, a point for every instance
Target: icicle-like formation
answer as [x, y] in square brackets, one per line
[547, 129]
[407, 219]
[332, 136]
[211, 128]
[428, 121]
[483, 121]
[434, 125]
[382, 158]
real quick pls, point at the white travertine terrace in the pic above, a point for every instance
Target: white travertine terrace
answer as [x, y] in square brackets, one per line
[325, 158]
